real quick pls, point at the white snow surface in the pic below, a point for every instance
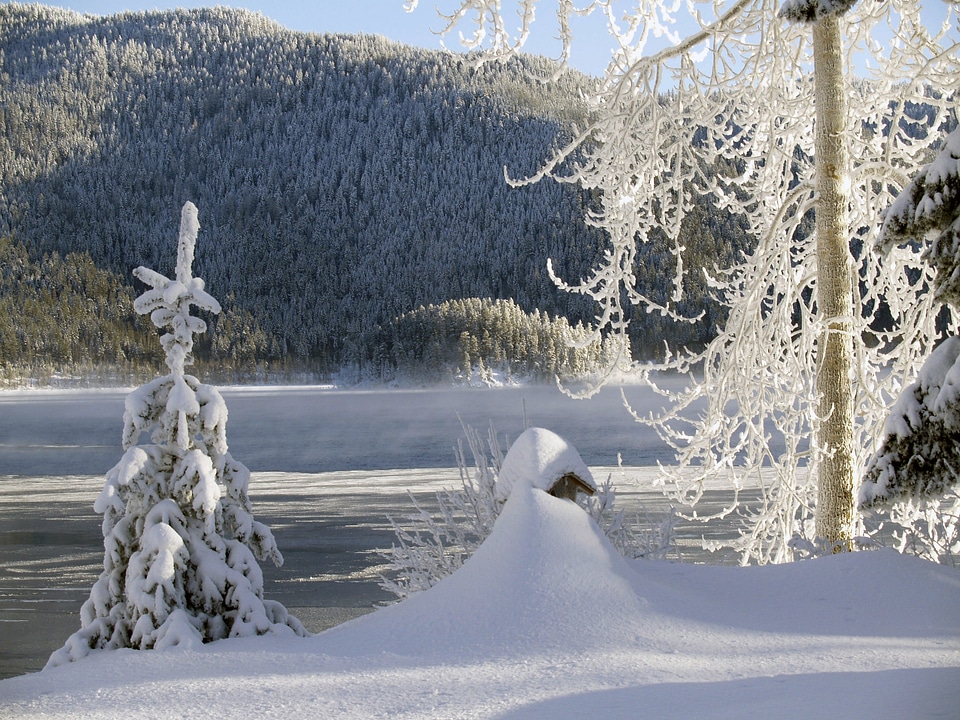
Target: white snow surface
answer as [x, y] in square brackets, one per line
[546, 620]
[934, 391]
[539, 457]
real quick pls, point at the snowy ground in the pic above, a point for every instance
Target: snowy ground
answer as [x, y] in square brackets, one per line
[329, 527]
[546, 621]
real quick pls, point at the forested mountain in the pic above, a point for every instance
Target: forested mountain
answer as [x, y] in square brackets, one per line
[67, 311]
[342, 181]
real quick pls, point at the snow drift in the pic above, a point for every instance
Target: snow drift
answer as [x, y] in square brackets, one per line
[547, 620]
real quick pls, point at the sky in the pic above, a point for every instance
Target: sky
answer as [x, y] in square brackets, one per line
[591, 51]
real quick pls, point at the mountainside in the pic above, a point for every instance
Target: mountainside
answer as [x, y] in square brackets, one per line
[67, 311]
[341, 180]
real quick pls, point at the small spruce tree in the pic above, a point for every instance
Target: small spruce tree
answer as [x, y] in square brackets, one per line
[181, 545]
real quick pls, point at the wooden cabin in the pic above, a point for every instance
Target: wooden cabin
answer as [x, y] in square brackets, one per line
[568, 485]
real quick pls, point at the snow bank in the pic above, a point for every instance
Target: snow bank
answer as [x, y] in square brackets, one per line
[546, 620]
[545, 580]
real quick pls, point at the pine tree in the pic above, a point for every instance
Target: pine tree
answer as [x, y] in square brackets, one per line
[181, 545]
[928, 211]
[920, 456]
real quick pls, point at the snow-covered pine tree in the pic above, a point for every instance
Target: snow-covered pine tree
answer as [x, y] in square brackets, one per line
[920, 456]
[181, 545]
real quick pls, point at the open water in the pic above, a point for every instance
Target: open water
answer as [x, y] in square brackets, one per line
[329, 467]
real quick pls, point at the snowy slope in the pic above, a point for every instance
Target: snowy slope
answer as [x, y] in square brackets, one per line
[546, 620]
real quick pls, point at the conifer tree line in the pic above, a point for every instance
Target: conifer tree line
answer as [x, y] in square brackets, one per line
[451, 340]
[65, 315]
[65, 312]
[346, 180]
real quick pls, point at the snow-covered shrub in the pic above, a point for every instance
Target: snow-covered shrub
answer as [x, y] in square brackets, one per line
[647, 537]
[181, 544]
[434, 547]
[927, 528]
[429, 547]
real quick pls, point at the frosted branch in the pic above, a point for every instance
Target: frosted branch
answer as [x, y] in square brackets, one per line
[728, 111]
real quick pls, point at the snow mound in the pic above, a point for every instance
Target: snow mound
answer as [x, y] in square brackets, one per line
[546, 579]
[547, 620]
[539, 458]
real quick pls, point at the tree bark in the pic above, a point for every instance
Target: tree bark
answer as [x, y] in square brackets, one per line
[835, 503]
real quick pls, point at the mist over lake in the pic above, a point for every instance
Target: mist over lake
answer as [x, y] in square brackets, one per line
[319, 429]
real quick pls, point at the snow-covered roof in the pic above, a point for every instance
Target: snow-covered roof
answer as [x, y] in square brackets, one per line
[539, 458]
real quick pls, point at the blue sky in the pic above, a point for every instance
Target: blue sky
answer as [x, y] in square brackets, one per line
[591, 51]
[591, 47]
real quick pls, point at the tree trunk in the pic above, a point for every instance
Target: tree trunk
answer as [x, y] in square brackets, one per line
[835, 503]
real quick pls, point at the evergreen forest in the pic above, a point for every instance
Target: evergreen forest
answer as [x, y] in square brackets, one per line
[351, 195]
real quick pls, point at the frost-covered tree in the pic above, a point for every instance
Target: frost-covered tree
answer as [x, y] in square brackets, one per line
[816, 112]
[181, 544]
[928, 212]
[917, 469]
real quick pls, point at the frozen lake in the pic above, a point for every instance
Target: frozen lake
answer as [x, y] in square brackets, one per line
[329, 467]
